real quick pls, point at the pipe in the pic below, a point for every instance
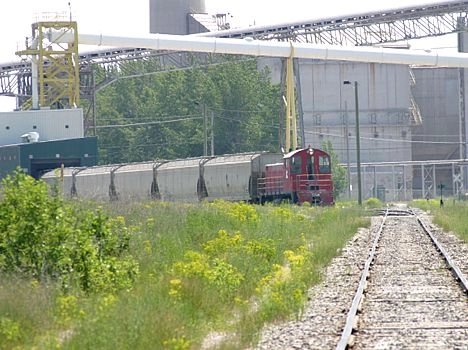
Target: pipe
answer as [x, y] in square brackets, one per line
[34, 75]
[34, 82]
[252, 47]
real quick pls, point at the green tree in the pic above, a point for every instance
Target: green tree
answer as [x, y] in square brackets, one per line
[164, 113]
[338, 172]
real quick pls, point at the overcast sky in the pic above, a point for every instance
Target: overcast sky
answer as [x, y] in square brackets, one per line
[131, 17]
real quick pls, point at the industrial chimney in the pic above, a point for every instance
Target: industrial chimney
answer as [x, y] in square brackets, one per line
[173, 16]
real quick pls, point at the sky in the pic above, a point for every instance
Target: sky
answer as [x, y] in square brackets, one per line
[131, 18]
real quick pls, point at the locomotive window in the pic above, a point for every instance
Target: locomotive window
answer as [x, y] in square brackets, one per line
[324, 164]
[296, 165]
[310, 167]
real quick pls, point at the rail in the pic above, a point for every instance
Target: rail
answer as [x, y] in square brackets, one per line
[351, 321]
[463, 281]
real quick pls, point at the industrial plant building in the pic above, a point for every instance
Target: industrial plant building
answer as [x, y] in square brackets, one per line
[411, 119]
[40, 140]
[412, 128]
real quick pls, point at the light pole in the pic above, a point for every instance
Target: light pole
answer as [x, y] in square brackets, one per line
[205, 128]
[358, 141]
[205, 132]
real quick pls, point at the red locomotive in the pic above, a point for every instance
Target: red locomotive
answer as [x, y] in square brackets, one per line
[303, 176]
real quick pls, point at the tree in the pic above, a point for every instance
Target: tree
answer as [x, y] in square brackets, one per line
[338, 172]
[163, 115]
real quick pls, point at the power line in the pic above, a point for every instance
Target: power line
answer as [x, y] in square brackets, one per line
[141, 120]
[144, 124]
[379, 139]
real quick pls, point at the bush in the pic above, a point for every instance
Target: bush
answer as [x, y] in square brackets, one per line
[45, 238]
[372, 203]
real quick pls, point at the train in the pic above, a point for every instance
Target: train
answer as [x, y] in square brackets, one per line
[299, 176]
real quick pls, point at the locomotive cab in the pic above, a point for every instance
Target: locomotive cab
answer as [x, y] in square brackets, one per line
[308, 176]
[303, 176]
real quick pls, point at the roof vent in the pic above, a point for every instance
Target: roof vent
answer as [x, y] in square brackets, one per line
[30, 137]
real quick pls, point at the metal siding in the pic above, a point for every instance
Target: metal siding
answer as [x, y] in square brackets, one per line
[133, 181]
[9, 160]
[383, 92]
[84, 149]
[228, 180]
[177, 180]
[53, 177]
[93, 184]
[437, 94]
[170, 16]
[54, 124]
[73, 148]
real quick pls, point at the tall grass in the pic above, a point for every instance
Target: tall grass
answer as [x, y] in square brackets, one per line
[25, 311]
[451, 217]
[211, 267]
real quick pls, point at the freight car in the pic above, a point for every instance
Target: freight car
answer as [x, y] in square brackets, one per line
[303, 175]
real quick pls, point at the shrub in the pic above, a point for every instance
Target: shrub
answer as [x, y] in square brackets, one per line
[43, 237]
[372, 203]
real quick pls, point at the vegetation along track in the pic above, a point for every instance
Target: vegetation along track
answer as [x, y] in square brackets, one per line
[408, 295]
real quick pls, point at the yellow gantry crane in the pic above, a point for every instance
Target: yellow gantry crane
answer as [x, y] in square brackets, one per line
[291, 125]
[54, 66]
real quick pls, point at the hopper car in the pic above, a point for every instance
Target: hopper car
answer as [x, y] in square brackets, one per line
[302, 175]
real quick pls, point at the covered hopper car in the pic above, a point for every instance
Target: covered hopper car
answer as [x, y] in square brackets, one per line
[303, 175]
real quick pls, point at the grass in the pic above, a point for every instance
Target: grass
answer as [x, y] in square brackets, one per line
[211, 267]
[23, 306]
[451, 217]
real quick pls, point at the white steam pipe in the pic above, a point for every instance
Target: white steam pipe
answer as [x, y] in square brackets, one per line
[271, 49]
[34, 85]
[34, 75]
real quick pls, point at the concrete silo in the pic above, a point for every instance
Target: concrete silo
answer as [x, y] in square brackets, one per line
[173, 16]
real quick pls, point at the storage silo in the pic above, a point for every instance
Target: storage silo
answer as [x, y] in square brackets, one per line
[172, 16]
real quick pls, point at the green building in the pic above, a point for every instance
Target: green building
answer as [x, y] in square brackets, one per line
[35, 158]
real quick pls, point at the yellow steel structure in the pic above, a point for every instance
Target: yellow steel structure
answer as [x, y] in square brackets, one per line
[57, 65]
[291, 125]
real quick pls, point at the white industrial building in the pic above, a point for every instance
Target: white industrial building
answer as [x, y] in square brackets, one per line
[401, 108]
[47, 124]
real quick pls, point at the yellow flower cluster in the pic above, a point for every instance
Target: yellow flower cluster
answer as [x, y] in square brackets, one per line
[294, 260]
[272, 287]
[223, 243]
[175, 290]
[177, 344]
[240, 211]
[67, 308]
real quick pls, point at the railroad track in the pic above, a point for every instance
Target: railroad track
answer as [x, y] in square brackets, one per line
[411, 294]
[390, 288]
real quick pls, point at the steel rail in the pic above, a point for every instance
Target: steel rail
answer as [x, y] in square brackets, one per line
[349, 326]
[458, 274]
[346, 336]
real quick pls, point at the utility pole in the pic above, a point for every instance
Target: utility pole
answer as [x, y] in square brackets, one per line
[205, 132]
[358, 141]
[348, 168]
[212, 133]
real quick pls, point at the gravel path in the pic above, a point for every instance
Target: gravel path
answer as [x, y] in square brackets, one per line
[324, 318]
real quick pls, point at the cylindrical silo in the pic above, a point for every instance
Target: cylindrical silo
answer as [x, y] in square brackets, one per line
[170, 16]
